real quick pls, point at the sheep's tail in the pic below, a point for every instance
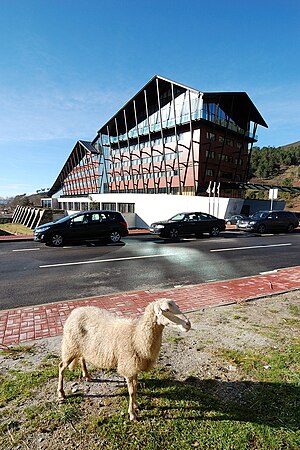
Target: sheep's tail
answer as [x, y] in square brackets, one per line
[73, 364]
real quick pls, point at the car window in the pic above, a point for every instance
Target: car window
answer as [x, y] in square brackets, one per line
[177, 218]
[98, 217]
[114, 217]
[203, 216]
[259, 215]
[191, 217]
[78, 220]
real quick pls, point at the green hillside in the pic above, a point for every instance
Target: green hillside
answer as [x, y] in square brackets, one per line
[276, 166]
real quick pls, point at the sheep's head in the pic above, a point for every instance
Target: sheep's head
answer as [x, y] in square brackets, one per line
[167, 312]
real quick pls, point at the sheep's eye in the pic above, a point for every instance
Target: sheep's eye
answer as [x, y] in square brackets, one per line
[166, 310]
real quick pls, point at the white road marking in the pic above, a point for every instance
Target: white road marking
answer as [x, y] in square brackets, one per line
[106, 260]
[268, 272]
[248, 248]
[26, 250]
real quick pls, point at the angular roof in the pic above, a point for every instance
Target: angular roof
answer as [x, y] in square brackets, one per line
[237, 105]
[79, 151]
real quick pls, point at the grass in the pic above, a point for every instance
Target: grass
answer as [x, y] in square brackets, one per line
[14, 351]
[16, 228]
[260, 413]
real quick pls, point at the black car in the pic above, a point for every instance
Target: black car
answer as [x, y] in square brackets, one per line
[83, 226]
[269, 221]
[234, 219]
[187, 224]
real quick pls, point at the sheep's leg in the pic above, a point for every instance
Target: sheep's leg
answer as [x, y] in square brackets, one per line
[62, 367]
[85, 372]
[132, 386]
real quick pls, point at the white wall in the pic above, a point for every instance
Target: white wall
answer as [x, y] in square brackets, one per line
[153, 207]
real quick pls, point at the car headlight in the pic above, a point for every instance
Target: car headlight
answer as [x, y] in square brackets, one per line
[252, 222]
[159, 227]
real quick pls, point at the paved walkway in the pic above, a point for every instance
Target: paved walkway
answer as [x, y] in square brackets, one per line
[35, 322]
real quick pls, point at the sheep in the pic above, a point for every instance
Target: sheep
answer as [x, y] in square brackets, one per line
[108, 341]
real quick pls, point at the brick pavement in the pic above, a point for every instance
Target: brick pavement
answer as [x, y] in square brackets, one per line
[36, 322]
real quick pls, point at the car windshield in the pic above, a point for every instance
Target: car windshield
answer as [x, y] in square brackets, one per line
[177, 218]
[259, 215]
[63, 219]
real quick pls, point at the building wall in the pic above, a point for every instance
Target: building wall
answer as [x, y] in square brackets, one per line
[173, 143]
[149, 208]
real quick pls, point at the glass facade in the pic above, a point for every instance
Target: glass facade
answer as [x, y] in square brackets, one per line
[168, 138]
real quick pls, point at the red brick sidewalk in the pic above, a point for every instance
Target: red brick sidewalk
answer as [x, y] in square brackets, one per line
[35, 322]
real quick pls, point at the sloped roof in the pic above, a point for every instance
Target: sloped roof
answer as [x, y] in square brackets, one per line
[237, 105]
[79, 151]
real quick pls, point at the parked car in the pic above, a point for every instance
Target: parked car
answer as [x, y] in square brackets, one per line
[269, 221]
[188, 223]
[82, 226]
[233, 219]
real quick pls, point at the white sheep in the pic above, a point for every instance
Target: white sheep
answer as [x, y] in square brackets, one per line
[130, 346]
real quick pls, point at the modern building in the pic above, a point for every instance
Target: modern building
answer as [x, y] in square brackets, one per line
[168, 139]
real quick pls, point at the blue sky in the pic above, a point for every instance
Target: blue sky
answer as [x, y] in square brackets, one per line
[67, 66]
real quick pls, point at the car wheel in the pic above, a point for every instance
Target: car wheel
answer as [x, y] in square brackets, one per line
[215, 231]
[114, 237]
[261, 229]
[290, 228]
[56, 240]
[173, 233]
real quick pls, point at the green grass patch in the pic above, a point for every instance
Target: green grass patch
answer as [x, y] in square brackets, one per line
[16, 350]
[294, 309]
[174, 339]
[259, 413]
[16, 228]
[271, 365]
[291, 321]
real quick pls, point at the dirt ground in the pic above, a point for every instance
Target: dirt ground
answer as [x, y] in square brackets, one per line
[255, 324]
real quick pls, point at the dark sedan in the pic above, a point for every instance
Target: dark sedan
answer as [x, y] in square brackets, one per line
[188, 224]
[269, 221]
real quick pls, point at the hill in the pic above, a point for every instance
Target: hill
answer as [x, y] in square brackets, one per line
[276, 166]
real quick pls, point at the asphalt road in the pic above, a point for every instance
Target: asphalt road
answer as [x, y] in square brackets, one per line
[32, 273]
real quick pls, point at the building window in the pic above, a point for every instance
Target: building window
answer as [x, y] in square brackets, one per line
[109, 206]
[221, 139]
[209, 172]
[210, 136]
[229, 142]
[210, 154]
[126, 207]
[226, 158]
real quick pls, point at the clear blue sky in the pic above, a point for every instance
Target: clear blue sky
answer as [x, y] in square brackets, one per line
[68, 65]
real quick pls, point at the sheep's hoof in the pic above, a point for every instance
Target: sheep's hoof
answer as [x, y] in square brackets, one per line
[87, 378]
[61, 397]
[133, 416]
